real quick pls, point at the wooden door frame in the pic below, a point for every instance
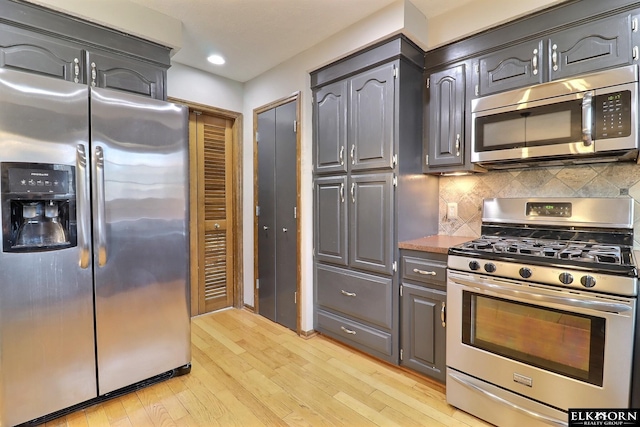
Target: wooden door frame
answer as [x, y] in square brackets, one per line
[294, 97]
[236, 178]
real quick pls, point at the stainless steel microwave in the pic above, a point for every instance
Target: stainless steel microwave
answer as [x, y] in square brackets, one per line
[576, 120]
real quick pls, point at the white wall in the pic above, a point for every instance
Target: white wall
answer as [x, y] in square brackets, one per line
[191, 84]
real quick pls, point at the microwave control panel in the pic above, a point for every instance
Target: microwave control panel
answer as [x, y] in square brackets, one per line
[612, 115]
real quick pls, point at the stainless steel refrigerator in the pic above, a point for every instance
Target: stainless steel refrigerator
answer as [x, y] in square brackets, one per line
[94, 292]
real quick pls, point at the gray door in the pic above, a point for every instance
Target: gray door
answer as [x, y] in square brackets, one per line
[330, 210]
[516, 66]
[277, 224]
[371, 115]
[371, 222]
[446, 117]
[141, 251]
[330, 119]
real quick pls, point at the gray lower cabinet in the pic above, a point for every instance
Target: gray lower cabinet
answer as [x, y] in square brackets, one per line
[423, 313]
[331, 219]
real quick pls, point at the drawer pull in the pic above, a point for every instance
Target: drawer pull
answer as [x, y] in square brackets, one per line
[443, 315]
[349, 331]
[347, 294]
[424, 272]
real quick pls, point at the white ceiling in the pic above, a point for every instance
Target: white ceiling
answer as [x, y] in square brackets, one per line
[256, 35]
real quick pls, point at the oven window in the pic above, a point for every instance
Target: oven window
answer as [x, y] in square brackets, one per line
[559, 341]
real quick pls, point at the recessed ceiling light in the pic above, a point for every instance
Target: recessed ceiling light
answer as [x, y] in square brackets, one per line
[216, 59]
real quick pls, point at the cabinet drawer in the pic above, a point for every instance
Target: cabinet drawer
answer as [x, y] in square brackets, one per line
[423, 270]
[353, 333]
[356, 294]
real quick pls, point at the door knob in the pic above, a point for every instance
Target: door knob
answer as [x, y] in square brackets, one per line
[284, 229]
[216, 226]
[265, 228]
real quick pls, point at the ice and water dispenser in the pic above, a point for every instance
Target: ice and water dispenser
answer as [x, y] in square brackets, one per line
[38, 207]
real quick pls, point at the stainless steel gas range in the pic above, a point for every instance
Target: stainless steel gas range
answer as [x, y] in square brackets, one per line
[541, 310]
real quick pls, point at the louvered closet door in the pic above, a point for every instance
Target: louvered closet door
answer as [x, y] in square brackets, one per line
[215, 262]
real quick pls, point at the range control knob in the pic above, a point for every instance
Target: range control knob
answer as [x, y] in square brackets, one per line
[525, 272]
[489, 267]
[588, 281]
[565, 278]
[474, 265]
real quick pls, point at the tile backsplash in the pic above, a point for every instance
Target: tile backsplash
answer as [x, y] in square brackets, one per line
[597, 180]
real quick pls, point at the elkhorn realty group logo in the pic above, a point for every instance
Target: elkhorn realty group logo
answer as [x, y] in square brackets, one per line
[604, 417]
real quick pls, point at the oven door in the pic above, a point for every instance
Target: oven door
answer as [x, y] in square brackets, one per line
[564, 348]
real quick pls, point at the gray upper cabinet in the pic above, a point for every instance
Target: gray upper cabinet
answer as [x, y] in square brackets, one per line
[510, 68]
[330, 133]
[371, 231]
[23, 50]
[371, 131]
[37, 40]
[605, 43]
[445, 125]
[330, 219]
[117, 72]
[590, 47]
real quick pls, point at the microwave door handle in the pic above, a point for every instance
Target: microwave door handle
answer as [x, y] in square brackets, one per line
[587, 119]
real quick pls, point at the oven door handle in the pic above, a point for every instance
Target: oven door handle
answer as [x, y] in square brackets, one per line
[505, 402]
[603, 306]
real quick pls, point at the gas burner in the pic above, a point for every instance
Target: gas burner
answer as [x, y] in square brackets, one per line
[549, 249]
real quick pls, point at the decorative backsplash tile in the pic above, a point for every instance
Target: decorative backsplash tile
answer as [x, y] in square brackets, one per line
[598, 180]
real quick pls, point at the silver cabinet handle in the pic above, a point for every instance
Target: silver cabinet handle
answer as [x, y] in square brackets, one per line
[341, 156]
[534, 62]
[506, 403]
[265, 228]
[458, 145]
[443, 314]
[587, 117]
[424, 272]
[285, 229]
[84, 232]
[554, 57]
[353, 154]
[353, 192]
[94, 74]
[216, 226]
[347, 294]
[101, 223]
[341, 192]
[76, 70]
[349, 331]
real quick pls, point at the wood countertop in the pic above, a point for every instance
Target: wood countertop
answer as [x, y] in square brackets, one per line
[437, 244]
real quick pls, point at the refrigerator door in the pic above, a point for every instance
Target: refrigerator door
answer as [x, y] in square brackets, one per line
[141, 253]
[47, 353]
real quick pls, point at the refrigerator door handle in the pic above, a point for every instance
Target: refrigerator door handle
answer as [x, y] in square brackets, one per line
[98, 164]
[83, 206]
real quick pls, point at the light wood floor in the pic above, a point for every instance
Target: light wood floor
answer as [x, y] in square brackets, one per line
[248, 371]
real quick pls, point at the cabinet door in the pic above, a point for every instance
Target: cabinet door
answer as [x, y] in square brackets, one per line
[602, 44]
[126, 74]
[371, 228]
[445, 102]
[510, 68]
[330, 228]
[423, 333]
[36, 53]
[371, 119]
[330, 128]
